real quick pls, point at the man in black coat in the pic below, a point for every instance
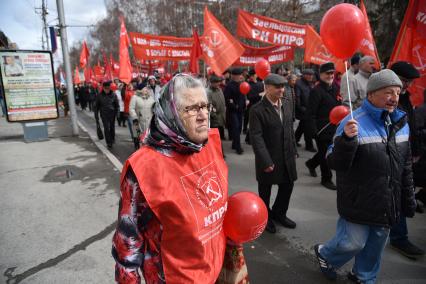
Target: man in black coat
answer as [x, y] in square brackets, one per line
[322, 99]
[253, 96]
[274, 146]
[407, 73]
[236, 105]
[107, 104]
[303, 88]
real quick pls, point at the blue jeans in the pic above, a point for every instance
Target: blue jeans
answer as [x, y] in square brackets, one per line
[364, 242]
[130, 125]
[399, 232]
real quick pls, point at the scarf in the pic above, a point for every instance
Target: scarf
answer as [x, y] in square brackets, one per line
[166, 132]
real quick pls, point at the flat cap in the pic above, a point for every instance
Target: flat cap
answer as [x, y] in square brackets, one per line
[327, 67]
[383, 79]
[274, 79]
[237, 71]
[405, 70]
[308, 71]
[251, 72]
[215, 79]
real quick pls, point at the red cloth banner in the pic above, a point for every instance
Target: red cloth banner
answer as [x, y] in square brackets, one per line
[99, 71]
[196, 52]
[274, 54]
[77, 76]
[317, 53]
[125, 68]
[269, 30]
[84, 55]
[411, 46]
[151, 47]
[220, 48]
[368, 45]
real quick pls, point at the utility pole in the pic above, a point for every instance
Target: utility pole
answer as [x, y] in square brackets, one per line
[44, 35]
[67, 65]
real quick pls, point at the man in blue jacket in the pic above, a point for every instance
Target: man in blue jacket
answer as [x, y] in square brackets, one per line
[372, 158]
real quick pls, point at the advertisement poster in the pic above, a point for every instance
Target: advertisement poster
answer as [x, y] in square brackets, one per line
[28, 85]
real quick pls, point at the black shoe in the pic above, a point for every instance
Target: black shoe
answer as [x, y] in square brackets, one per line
[298, 144]
[240, 151]
[284, 221]
[311, 149]
[325, 267]
[352, 277]
[329, 184]
[312, 171]
[408, 249]
[270, 227]
[109, 146]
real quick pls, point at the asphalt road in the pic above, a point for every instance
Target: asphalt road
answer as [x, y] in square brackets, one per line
[287, 256]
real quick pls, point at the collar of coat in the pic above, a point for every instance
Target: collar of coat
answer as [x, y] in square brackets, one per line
[377, 113]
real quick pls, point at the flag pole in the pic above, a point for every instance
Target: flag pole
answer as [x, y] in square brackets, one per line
[349, 92]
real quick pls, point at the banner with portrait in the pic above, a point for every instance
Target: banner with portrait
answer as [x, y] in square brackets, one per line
[27, 80]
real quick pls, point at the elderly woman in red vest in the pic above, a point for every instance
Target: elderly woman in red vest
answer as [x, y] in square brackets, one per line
[174, 193]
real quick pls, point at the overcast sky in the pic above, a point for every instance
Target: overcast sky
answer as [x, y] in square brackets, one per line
[21, 24]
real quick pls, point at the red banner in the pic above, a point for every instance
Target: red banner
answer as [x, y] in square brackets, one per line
[274, 54]
[151, 47]
[99, 71]
[368, 45]
[411, 46]
[220, 48]
[317, 53]
[269, 30]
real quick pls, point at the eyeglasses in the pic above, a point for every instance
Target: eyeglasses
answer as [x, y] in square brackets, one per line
[195, 109]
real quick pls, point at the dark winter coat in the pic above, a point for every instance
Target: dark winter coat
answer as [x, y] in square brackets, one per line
[373, 170]
[405, 105]
[322, 100]
[302, 89]
[235, 101]
[273, 141]
[107, 105]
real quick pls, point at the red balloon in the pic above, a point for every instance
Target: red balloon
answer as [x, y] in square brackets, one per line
[113, 87]
[262, 68]
[337, 114]
[342, 30]
[244, 88]
[245, 218]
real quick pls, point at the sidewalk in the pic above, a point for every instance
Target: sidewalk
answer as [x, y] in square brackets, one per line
[59, 202]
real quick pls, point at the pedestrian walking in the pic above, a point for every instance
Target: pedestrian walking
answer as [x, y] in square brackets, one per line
[107, 105]
[218, 107]
[322, 99]
[302, 89]
[372, 159]
[174, 193]
[274, 146]
[140, 111]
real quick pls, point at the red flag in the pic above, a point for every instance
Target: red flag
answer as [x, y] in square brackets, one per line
[84, 55]
[88, 74]
[196, 52]
[220, 49]
[76, 76]
[368, 45]
[125, 73]
[317, 53]
[108, 69]
[411, 46]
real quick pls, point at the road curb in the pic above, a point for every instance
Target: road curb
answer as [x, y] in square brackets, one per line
[117, 164]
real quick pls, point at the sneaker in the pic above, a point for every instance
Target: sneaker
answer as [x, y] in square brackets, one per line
[329, 184]
[325, 267]
[408, 249]
[312, 171]
[352, 277]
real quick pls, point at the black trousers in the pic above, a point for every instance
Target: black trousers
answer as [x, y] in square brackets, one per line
[282, 201]
[236, 125]
[109, 129]
[302, 129]
[319, 159]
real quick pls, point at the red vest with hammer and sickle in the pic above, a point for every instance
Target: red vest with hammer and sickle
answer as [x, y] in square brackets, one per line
[188, 194]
